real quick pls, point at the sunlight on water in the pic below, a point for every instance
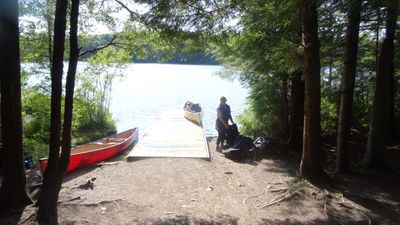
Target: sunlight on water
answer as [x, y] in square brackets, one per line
[148, 89]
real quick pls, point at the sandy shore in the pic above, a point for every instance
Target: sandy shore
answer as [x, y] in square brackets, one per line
[195, 191]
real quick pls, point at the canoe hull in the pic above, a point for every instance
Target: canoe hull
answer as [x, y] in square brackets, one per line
[194, 117]
[86, 158]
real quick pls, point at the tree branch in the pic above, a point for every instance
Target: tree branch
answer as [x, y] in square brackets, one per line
[99, 47]
[135, 15]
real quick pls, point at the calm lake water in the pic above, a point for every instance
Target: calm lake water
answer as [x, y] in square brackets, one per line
[148, 89]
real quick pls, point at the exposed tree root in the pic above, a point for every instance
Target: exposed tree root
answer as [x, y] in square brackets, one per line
[286, 190]
[116, 203]
[70, 200]
[31, 217]
[278, 201]
[96, 203]
[278, 190]
[253, 196]
[292, 188]
[326, 212]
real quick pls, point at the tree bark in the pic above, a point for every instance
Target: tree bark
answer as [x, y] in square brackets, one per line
[330, 77]
[68, 107]
[47, 202]
[49, 20]
[377, 31]
[284, 108]
[310, 166]
[375, 153]
[13, 196]
[70, 86]
[347, 86]
[392, 129]
[296, 117]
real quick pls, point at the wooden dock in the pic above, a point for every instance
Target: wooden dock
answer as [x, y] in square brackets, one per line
[172, 136]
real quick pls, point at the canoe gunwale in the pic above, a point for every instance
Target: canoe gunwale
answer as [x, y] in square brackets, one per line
[192, 112]
[103, 148]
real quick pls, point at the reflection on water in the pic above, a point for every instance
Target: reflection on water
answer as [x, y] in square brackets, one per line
[148, 89]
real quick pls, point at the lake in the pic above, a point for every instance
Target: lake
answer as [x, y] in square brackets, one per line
[148, 89]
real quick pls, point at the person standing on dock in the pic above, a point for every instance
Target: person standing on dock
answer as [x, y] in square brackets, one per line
[222, 123]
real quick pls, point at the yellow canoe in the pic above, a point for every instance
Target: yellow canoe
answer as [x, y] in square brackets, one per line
[192, 112]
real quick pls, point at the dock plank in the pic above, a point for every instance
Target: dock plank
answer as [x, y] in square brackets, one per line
[172, 136]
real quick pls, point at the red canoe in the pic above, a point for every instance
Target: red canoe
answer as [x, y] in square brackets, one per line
[98, 151]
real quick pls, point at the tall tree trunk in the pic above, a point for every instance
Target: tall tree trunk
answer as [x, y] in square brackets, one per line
[330, 77]
[284, 108]
[310, 166]
[69, 87]
[13, 194]
[375, 153]
[296, 117]
[297, 92]
[49, 21]
[392, 129]
[63, 161]
[47, 202]
[347, 86]
[377, 31]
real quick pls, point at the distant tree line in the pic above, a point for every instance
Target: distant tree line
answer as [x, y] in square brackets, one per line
[182, 58]
[198, 57]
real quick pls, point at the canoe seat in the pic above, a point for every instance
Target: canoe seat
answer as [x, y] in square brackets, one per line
[115, 139]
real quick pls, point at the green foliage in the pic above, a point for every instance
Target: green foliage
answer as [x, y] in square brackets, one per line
[91, 117]
[35, 114]
[156, 46]
[36, 28]
[262, 117]
[36, 49]
[267, 43]
[86, 128]
[260, 39]
[109, 56]
[265, 51]
[36, 111]
[36, 148]
[328, 116]
[250, 123]
[330, 98]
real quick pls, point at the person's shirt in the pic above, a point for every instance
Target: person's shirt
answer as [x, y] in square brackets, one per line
[224, 111]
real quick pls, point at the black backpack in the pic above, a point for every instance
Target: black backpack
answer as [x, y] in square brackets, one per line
[232, 134]
[243, 148]
[240, 145]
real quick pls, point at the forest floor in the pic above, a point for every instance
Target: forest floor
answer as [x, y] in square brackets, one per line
[158, 191]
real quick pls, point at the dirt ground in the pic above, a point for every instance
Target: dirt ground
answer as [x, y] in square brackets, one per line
[157, 191]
